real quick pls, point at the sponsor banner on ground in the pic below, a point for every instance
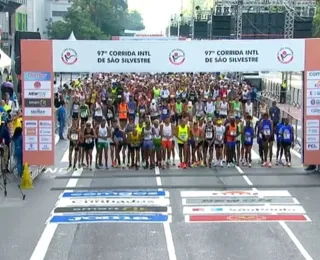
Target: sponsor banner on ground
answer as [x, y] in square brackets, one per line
[104, 209]
[239, 201]
[106, 194]
[64, 202]
[246, 218]
[101, 218]
[236, 193]
[244, 210]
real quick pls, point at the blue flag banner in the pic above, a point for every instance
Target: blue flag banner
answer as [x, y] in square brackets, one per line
[106, 194]
[104, 218]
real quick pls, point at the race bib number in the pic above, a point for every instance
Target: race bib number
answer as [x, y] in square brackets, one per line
[142, 111]
[74, 137]
[286, 135]
[219, 137]
[248, 137]
[183, 137]
[233, 133]
[119, 96]
[89, 140]
[266, 131]
[110, 114]
[131, 111]
[209, 135]
[84, 114]
[164, 111]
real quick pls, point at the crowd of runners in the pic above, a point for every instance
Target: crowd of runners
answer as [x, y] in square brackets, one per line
[142, 120]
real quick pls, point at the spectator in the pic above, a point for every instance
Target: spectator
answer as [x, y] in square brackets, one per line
[17, 141]
[274, 113]
[283, 92]
[5, 140]
[61, 119]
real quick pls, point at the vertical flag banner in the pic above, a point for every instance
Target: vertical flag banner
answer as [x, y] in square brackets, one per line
[311, 103]
[37, 103]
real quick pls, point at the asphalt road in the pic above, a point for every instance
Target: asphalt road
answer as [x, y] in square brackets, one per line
[181, 240]
[177, 240]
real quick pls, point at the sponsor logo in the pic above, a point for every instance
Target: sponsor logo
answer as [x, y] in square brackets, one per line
[285, 55]
[315, 110]
[37, 94]
[45, 131]
[37, 102]
[317, 84]
[314, 74]
[69, 56]
[177, 57]
[37, 85]
[242, 200]
[315, 102]
[314, 93]
[45, 111]
[236, 193]
[31, 124]
[110, 209]
[38, 75]
[115, 201]
[38, 111]
[110, 218]
[45, 123]
[313, 146]
[246, 218]
[115, 194]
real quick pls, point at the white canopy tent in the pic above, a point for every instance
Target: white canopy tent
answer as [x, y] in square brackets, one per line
[72, 37]
[5, 62]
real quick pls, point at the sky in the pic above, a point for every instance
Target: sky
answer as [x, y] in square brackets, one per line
[156, 14]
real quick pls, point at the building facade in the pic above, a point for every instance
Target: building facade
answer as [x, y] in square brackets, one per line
[28, 15]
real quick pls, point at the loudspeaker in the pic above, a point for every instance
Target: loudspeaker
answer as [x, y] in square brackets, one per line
[18, 36]
[200, 29]
[221, 26]
[262, 25]
[173, 30]
[303, 27]
[185, 30]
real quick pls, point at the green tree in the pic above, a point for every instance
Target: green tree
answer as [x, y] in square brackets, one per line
[95, 19]
[316, 22]
[134, 21]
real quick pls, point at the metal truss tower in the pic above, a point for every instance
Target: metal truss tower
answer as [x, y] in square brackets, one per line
[238, 20]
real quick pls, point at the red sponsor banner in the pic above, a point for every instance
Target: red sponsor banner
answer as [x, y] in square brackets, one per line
[311, 103]
[247, 218]
[37, 102]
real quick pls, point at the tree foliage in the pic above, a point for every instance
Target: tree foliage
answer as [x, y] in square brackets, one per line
[316, 22]
[95, 19]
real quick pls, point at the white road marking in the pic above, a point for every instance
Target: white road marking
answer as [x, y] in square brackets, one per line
[43, 244]
[166, 225]
[292, 236]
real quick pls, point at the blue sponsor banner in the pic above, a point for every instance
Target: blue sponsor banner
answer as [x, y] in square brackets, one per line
[36, 76]
[106, 194]
[101, 218]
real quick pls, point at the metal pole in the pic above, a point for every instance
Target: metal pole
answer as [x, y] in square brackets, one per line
[192, 18]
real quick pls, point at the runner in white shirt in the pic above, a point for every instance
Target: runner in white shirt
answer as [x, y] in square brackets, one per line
[249, 108]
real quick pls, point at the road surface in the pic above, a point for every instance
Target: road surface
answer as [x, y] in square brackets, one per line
[25, 229]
